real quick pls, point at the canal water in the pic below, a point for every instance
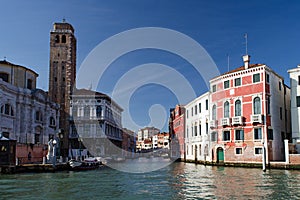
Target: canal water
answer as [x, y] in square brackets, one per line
[176, 181]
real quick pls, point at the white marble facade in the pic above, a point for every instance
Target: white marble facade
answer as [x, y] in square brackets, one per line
[27, 115]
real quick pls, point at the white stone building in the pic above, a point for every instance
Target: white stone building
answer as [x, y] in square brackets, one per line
[96, 120]
[27, 114]
[295, 105]
[196, 129]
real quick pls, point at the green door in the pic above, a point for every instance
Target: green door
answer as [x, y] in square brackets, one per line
[220, 155]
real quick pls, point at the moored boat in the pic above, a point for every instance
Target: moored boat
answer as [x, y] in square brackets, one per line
[87, 164]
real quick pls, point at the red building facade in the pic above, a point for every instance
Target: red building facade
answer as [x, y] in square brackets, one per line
[249, 114]
[176, 130]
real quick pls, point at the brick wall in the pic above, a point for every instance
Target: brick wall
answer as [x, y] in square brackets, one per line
[37, 152]
[294, 158]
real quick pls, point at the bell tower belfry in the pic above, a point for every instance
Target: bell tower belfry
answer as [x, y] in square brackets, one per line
[62, 74]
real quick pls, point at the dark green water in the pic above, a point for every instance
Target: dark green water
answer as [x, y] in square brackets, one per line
[176, 181]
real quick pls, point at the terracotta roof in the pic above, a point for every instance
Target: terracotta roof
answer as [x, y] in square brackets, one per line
[242, 68]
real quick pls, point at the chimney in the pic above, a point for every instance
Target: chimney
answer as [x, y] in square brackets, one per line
[246, 59]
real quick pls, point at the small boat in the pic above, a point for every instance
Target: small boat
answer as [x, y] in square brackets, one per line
[87, 164]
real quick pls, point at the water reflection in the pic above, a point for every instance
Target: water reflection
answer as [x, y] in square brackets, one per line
[176, 181]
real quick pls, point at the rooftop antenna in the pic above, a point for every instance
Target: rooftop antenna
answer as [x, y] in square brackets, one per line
[246, 42]
[228, 62]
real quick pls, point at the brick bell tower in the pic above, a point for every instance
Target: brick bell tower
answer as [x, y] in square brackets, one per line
[62, 75]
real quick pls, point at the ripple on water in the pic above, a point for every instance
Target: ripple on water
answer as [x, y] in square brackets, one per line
[177, 181]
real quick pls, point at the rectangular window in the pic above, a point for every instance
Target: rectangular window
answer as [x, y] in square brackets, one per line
[279, 85]
[298, 80]
[4, 77]
[237, 82]
[256, 78]
[206, 104]
[192, 131]
[214, 136]
[226, 84]
[29, 84]
[280, 113]
[192, 111]
[298, 101]
[268, 106]
[257, 134]
[226, 135]
[36, 138]
[187, 132]
[214, 88]
[239, 134]
[199, 107]
[206, 127]
[196, 109]
[195, 127]
[199, 129]
[238, 151]
[258, 150]
[268, 78]
[270, 134]
[187, 114]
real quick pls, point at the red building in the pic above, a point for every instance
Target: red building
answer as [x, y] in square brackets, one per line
[249, 114]
[176, 130]
[128, 142]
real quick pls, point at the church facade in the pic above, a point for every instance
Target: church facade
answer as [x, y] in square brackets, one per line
[27, 114]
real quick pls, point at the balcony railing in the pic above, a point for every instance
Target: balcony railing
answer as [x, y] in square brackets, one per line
[256, 118]
[213, 123]
[238, 120]
[225, 121]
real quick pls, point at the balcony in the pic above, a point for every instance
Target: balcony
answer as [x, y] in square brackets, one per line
[256, 118]
[213, 123]
[225, 121]
[238, 120]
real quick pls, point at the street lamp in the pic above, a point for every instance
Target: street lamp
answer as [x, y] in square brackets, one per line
[61, 137]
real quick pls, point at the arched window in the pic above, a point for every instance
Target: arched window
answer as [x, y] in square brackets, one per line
[214, 112]
[4, 76]
[226, 109]
[256, 105]
[63, 39]
[7, 110]
[238, 108]
[57, 39]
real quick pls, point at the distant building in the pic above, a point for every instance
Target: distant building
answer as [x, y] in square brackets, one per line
[197, 129]
[62, 74]
[145, 137]
[128, 142]
[96, 120]
[163, 140]
[27, 113]
[177, 130]
[295, 106]
[250, 109]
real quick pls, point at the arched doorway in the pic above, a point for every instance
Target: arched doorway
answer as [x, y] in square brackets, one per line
[220, 155]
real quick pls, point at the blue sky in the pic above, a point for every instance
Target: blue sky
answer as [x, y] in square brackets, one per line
[272, 26]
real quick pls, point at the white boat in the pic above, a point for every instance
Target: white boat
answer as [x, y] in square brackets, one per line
[87, 164]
